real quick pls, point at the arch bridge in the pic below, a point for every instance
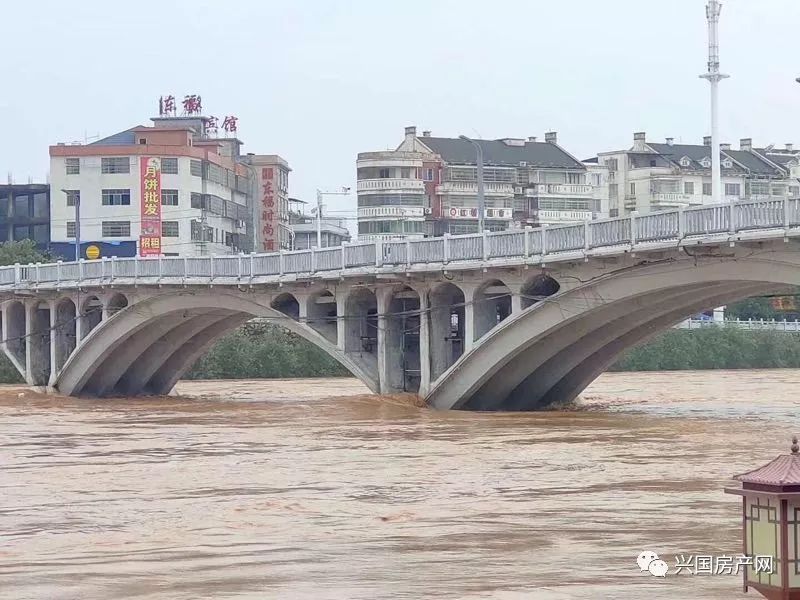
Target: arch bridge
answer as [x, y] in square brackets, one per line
[511, 320]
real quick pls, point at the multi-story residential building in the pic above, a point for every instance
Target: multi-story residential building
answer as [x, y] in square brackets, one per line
[25, 213]
[428, 186]
[659, 176]
[204, 197]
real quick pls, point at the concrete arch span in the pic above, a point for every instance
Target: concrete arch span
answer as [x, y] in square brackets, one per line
[553, 350]
[149, 345]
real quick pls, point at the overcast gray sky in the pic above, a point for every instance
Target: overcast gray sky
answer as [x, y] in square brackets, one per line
[317, 82]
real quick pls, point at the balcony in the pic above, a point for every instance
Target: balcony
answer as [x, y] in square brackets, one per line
[470, 188]
[394, 212]
[384, 185]
[670, 199]
[563, 216]
[540, 190]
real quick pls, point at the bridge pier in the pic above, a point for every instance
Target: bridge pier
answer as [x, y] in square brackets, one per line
[448, 329]
[37, 354]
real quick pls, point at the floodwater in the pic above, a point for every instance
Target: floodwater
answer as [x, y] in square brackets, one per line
[314, 490]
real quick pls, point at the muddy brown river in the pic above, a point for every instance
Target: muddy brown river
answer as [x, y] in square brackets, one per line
[313, 490]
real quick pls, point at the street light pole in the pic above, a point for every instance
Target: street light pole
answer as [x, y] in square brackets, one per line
[319, 219]
[481, 199]
[345, 192]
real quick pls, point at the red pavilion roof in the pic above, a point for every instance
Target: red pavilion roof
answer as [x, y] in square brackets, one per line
[783, 471]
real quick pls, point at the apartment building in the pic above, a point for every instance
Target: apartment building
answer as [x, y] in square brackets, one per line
[428, 186]
[25, 213]
[659, 176]
[171, 189]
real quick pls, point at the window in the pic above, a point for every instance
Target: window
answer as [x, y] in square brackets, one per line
[169, 166]
[73, 166]
[169, 229]
[405, 172]
[794, 191]
[706, 162]
[384, 174]
[143, 141]
[70, 229]
[73, 197]
[727, 163]
[41, 233]
[196, 168]
[197, 200]
[614, 212]
[652, 162]
[115, 164]
[685, 161]
[41, 206]
[22, 207]
[613, 192]
[116, 197]
[428, 175]
[391, 200]
[706, 189]
[612, 164]
[169, 197]
[575, 178]
[732, 189]
[633, 189]
[778, 190]
[688, 188]
[22, 232]
[116, 228]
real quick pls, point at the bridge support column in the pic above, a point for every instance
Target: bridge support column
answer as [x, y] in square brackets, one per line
[469, 318]
[53, 340]
[37, 349]
[341, 322]
[516, 299]
[424, 343]
[384, 297]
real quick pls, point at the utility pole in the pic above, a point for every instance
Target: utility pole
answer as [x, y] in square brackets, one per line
[345, 192]
[481, 197]
[713, 10]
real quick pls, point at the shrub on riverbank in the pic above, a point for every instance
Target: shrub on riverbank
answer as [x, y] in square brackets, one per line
[713, 348]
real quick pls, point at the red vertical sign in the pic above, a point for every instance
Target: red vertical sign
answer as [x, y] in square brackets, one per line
[150, 236]
[269, 214]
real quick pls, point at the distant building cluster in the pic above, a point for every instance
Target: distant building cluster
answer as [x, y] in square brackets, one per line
[182, 187]
[428, 186]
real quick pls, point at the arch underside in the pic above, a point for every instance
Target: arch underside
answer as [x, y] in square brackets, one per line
[552, 351]
[146, 348]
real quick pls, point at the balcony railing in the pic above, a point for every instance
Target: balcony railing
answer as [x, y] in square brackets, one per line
[529, 246]
[471, 188]
[380, 185]
[558, 189]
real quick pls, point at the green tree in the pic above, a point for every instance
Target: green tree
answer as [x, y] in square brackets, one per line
[22, 252]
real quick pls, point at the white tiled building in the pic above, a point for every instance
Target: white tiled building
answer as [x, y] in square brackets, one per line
[658, 176]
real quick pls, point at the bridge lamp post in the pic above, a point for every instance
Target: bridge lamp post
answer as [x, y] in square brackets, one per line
[345, 192]
[77, 198]
[481, 201]
[771, 526]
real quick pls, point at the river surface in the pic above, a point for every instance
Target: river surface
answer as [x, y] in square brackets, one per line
[313, 489]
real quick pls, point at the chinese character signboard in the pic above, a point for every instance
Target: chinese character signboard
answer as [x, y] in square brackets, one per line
[166, 106]
[150, 236]
[192, 104]
[230, 124]
[269, 211]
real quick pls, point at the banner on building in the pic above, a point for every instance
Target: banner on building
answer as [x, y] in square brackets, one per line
[150, 236]
[269, 212]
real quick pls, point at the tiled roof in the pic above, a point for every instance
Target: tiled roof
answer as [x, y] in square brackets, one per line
[497, 152]
[752, 161]
[783, 471]
[123, 138]
[695, 152]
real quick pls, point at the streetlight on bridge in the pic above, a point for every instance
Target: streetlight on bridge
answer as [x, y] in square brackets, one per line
[481, 201]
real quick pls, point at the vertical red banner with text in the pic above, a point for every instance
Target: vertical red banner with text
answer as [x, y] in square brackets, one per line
[269, 211]
[150, 236]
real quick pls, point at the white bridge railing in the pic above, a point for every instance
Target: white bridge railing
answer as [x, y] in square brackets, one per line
[529, 245]
[747, 324]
